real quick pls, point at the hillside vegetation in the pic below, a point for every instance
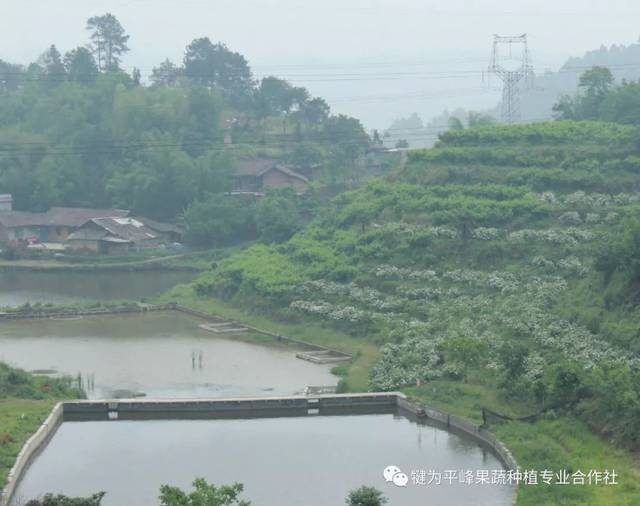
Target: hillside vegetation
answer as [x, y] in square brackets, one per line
[78, 130]
[506, 258]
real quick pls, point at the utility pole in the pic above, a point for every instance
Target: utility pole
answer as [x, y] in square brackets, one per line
[512, 75]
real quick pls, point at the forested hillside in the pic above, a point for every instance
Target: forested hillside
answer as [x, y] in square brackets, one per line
[506, 257]
[78, 130]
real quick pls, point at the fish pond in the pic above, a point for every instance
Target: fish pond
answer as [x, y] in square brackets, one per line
[62, 287]
[157, 355]
[313, 460]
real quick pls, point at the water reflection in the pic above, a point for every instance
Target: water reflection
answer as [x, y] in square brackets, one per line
[19, 287]
[313, 461]
[158, 355]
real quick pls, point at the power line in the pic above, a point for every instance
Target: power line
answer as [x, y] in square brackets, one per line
[426, 134]
[319, 77]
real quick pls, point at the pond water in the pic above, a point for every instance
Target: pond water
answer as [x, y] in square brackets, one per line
[160, 355]
[311, 461]
[18, 287]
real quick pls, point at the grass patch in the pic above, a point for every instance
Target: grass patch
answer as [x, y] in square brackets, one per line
[256, 338]
[25, 402]
[19, 418]
[365, 354]
[567, 443]
[554, 444]
[465, 399]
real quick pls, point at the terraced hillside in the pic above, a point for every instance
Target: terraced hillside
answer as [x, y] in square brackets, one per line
[503, 264]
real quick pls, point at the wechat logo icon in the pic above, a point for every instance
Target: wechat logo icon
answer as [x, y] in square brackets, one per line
[394, 475]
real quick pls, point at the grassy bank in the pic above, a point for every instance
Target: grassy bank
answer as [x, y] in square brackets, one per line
[554, 443]
[25, 402]
[71, 308]
[174, 263]
[355, 376]
[19, 419]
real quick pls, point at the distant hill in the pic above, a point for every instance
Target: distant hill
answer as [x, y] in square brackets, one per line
[624, 62]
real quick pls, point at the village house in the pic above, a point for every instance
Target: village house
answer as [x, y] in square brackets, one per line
[53, 226]
[103, 230]
[168, 232]
[260, 174]
[114, 236]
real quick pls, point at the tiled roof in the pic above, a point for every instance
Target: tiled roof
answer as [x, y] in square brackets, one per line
[126, 228]
[159, 226]
[260, 166]
[11, 219]
[57, 217]
[76, 216]
[289, 172]
[254, 166]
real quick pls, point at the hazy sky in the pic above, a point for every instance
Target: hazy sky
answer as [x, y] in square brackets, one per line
[374, 59]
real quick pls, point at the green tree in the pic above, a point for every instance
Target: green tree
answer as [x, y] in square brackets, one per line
[315, 111]
[595, 85]
[513, 356]
[58, 181]
[214, 65]
[465, 352]
[366, 496]
[455, 124]
[620, 250]
[81, 66]
[565, 108]
[565, 382]
[166, 74]
[136, 76]
[11, 76]
[349, 141]
[216, 220]
[278, 215]
[277, 95]
[203, 495]
[622, 104]
[597, 81]
[158, 183]
[109, 40]
[201, 130]
[54, 70]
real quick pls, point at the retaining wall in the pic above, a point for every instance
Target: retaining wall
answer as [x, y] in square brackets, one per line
[255, 407]
[30, 449]
[261, 407]
[62, 313]
[462, 425]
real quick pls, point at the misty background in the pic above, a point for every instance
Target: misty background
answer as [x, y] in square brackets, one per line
[377, 60]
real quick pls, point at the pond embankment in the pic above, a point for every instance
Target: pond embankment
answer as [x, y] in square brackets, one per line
[244, 408]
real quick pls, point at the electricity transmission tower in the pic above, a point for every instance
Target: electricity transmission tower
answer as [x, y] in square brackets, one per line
[512, 75]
